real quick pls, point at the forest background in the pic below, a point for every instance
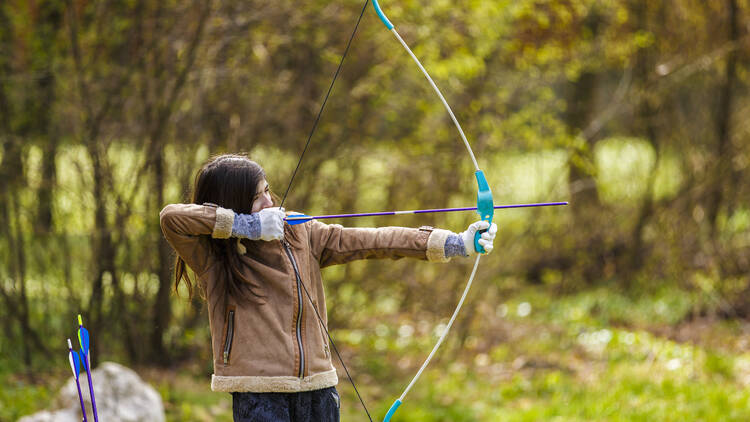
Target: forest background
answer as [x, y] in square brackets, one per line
[630, 304]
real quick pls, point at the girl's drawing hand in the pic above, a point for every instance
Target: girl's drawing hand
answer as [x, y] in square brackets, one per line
[485, 240]
[271, 223]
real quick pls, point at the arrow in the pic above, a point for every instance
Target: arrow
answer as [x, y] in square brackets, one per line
[301, 218]
[76, 367]
[83, 339]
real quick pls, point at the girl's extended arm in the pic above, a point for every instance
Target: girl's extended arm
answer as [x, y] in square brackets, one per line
[333, 244]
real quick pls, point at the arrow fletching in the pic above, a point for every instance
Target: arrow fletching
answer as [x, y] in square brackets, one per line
[83, 337]
[295, 219]
[75, 364]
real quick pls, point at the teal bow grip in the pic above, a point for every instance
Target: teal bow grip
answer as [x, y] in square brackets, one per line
[392, 410]
[381, 15]
[485, 207]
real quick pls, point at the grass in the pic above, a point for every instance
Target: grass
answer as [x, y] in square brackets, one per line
[593, 356]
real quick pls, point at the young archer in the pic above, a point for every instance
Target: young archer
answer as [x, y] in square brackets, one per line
[270, 348]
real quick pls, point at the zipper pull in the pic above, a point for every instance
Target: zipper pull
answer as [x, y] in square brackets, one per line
[226, 357]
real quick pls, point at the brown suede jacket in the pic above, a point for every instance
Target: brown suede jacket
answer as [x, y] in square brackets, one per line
[280, 345]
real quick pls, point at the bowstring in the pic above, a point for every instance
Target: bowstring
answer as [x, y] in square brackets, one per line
[325, 100]
[335, 349]
[291, 181]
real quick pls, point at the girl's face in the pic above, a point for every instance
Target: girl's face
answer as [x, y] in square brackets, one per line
[263, 197]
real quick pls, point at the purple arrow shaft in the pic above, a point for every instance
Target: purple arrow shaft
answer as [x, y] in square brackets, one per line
[84, 358]
[80, 397]
[74, 359]
[371, 214]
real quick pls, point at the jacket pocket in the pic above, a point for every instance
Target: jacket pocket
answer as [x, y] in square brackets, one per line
[228, 334]
[325, 340]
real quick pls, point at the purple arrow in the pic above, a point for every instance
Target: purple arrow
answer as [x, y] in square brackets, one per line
[301, 218]
[75, 366]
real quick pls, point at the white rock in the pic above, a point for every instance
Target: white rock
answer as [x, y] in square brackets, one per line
[121, 396]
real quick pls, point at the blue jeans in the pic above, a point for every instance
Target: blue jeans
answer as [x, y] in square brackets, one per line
[307, 406]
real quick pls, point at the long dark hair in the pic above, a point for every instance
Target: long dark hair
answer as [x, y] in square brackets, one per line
[229, 181]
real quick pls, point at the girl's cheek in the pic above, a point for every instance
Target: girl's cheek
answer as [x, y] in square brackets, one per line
[264, 201]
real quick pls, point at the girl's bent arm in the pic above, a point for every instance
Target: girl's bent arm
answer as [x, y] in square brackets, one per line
[187, 228]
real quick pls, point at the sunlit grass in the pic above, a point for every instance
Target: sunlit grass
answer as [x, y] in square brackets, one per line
[563, 360]
[593, 356]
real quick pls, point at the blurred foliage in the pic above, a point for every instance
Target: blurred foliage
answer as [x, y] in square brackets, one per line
[630, 304]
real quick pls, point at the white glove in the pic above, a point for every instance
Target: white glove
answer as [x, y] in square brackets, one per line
[271, 223]
[485, 240]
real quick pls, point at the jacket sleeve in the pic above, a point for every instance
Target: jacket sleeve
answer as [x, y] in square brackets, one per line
[333, 244]
[187, 228]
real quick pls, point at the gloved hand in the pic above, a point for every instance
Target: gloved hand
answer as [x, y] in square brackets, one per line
[485, 240]
[271, 223]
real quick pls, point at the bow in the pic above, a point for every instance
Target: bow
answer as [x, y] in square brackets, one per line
[485, 205]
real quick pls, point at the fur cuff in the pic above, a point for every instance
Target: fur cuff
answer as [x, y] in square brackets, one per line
[246, 384]
[436, 245]
[224, 223]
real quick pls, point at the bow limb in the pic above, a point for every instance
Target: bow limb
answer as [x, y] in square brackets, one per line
[485, 205]
[400, 400]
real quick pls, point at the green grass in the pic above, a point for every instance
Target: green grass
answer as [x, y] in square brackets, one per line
[187, 399]
[586, 357]
[19, 398]
[593, 356]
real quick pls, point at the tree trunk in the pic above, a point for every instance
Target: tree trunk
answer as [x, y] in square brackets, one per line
[581, 179]
[162, 310]
[104, 262]
[582, 183]
[722, 172]
[46, 32]
[45, 203]
[158, 127]
[646, 127]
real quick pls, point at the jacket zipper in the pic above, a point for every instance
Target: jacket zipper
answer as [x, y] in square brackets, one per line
[299, 309]
[230, 334]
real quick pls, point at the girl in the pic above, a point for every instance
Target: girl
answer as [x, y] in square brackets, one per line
[261, 278]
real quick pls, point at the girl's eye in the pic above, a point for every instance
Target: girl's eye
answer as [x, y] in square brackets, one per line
[267, 190]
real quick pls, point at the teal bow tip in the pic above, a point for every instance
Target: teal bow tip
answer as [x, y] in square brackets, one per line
[392, 410]
[381, 15]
